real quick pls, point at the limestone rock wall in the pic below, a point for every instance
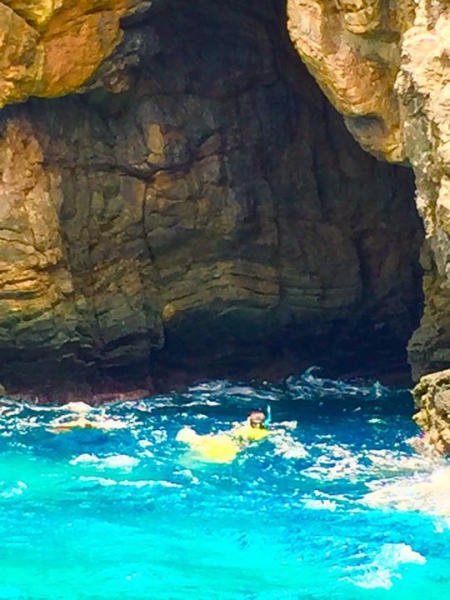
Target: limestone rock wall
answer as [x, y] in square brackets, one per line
[432, 398]
[199, 204]
[384, 64]
[50, 47]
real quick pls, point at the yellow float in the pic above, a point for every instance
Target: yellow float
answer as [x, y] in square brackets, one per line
[221, 447]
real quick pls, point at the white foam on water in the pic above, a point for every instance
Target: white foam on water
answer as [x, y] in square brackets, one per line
[336, 462]
[103, 481]
[145, 443]
[288, 424]
[208, 386]
[15, 490]
[201, 403]
[115, 461]
[159, 402]
[140, 483]
[287, 447]
[441, 525]
[189, 475]
[388, 461]
[384, 467]
[424, 492]
[150, 482]
[245, 390]
[384, 568]
[77, 407]
[84, 459]
[320, 500]
[146, 446]
[142, 406]
[159, 435]
[314, 504]
[120, 461]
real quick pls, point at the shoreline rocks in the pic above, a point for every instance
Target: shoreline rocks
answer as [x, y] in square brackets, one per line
[432, 399]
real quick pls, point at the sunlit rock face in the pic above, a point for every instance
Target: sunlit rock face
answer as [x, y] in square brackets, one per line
[50, 47]
[385, 66]
[432, 397]
[352, 49]
[200, 206]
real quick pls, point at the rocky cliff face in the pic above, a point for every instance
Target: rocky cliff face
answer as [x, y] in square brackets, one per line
[197, 205]
[432, 397]
[50, 47]
[385, 66]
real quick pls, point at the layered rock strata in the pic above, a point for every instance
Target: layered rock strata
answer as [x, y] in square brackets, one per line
[51, 47]
[199, 205]
[385, 66]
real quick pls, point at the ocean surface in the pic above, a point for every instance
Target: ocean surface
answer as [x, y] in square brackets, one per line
[334, 505]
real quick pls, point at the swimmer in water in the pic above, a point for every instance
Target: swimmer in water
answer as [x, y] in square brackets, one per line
[253, 429]
[82, 421]
[223, 447]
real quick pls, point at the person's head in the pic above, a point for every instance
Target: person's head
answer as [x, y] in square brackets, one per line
[256, 419]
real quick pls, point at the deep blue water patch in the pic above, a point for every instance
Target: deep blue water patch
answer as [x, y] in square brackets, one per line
[336, 505]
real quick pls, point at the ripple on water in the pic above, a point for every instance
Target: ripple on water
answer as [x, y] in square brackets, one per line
[427, 491]
[384, 568]
[115, 461]
[334, 505]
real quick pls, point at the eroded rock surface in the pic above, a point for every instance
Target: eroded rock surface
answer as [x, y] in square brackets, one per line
[432, 398]
[199, 205]
[51, 47]
[385, 66]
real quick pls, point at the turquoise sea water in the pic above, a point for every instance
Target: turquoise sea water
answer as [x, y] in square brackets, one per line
[334, 506]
